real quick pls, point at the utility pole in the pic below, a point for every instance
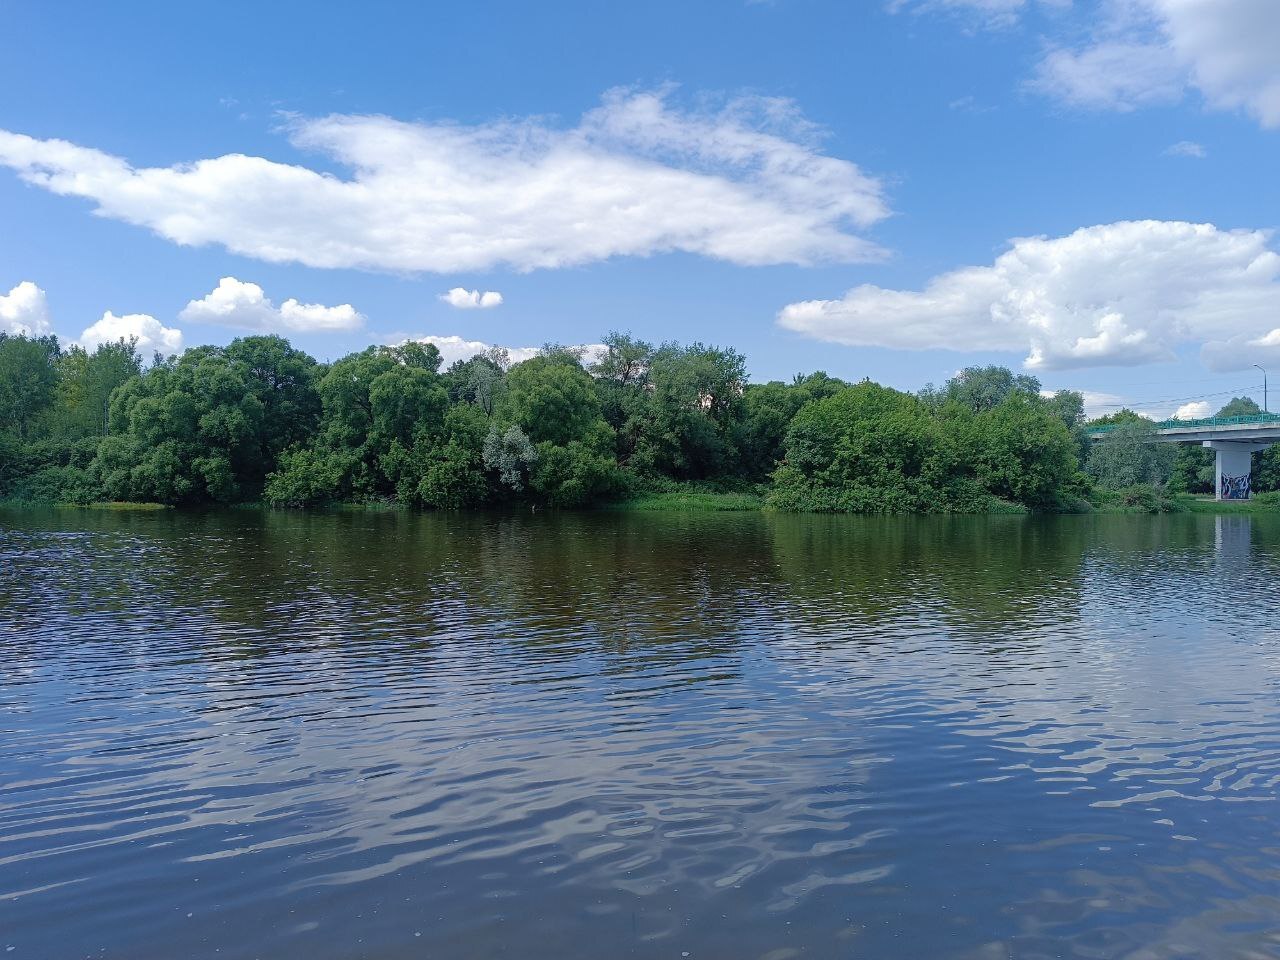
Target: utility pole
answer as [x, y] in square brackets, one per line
[1264, 390]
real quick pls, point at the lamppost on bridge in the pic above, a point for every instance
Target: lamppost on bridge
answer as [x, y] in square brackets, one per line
[1264, 390]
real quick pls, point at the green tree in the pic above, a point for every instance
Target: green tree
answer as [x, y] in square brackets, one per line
[551, 398]
[187, 431]
[1123, 415]
[1129, 456]
[866, 449]
[85, 384]
[480, 380]
[1021, 451]
[62, 438]
[377, 404]
[981, 388]
[691, 422]
[511, 455]
[307, 476]
[575, 475]
[624, 388]
[283, 379]
[625, 360]
[1067, 406]
[1239, 407]
[452, 474]
[28, 382]
[1193, 470]
[767, 411]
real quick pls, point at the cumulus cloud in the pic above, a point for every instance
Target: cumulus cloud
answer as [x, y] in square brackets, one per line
[147, 330]
[465, 299]
[636, 176]
[1187, 148]
[453, 348]
[234, 303]
[1116, 294]
[25, 310]
[1195, 410]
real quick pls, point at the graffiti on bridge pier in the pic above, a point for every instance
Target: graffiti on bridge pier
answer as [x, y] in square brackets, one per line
[1235, 488]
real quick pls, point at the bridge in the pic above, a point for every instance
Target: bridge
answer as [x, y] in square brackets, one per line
[1233, 439]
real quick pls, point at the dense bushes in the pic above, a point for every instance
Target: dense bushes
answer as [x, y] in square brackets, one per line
[257, 420]
[869, 449]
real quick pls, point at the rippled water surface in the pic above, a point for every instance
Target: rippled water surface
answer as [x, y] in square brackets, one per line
[368, 735]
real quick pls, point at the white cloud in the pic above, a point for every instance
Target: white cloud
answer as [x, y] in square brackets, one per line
[150, 333]
[1187, 148]
[636, 176]
[1231, 50]
[1116, 294]
[1195, 410]
[1242, 351]
[234, 303]
[992, 12]
[1095, 404]
[989, 13]
[1151, 51]
[25, 310]
[969, 104]
[1098, 404]
[1112, 74]
[453, 348]
[1141, 52]
[465, 299]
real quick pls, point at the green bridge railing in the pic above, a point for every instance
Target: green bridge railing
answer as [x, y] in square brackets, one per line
[1176, 424]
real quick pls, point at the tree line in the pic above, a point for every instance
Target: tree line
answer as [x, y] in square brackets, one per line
[258, 420]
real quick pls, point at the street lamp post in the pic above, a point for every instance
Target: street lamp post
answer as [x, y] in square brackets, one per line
[1264, 390]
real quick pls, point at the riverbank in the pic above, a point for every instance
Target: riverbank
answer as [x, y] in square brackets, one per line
[1263, 503]
[1148, 500]
[705, 501]
[684, 500]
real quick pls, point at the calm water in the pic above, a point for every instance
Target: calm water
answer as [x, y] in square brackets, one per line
[389, 736]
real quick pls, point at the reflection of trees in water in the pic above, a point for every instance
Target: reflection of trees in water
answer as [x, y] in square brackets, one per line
[994, 577]
[630, 580]
[633, 586]
[252, 583]
[261, 582]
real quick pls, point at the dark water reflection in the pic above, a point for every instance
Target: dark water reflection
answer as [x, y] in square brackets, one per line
[390, 736]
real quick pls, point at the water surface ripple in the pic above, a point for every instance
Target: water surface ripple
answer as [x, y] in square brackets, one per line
[364, 735]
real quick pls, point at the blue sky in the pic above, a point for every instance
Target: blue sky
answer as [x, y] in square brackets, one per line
[722, 171]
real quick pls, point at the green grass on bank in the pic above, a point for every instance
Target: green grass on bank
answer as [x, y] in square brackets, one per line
[1147, 499]
[1136, 500]
[1261, 503]
[121, 505]
[691, 500]
[126, 505]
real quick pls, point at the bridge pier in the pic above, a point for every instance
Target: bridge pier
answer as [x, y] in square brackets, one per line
[1232, 474]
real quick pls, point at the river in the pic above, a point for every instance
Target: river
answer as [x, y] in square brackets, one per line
[246, 734]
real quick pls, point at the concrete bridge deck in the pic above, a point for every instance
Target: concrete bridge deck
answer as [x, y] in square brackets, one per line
[1263, 426]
